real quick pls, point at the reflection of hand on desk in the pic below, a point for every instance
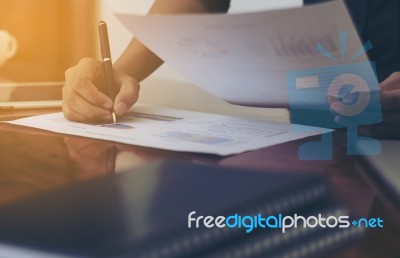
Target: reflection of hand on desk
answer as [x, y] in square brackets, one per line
[96, 157]
[93, 157]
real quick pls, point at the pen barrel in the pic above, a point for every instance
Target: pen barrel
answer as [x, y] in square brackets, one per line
[104, 41]
[108, 71]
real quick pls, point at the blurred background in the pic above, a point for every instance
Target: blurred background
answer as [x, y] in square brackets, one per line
[51, 35]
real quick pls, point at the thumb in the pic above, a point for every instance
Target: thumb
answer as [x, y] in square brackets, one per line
[127, 95]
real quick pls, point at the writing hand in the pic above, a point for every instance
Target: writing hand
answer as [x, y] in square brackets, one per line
[390, 99]
[84, 99]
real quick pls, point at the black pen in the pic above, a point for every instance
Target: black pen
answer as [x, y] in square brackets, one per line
[107, 63]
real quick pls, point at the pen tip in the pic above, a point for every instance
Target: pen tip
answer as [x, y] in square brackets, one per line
[114, 117]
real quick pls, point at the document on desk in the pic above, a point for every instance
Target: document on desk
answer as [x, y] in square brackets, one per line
[244, 58]
[179, 130]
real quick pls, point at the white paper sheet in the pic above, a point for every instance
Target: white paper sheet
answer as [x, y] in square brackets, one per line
[179, 130]
[244, 58]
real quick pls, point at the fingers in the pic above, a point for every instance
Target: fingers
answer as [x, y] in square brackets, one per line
[76, 108]
[88, 91]
[392, 82]
[80, 80]
[127, 95]
[391, 100]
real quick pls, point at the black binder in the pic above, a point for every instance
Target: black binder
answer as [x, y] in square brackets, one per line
[144, 212]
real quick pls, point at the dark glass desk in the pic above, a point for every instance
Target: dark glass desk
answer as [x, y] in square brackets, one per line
[34, 161]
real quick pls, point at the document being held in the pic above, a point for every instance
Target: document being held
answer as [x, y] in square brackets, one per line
[179, 130]
[244, 58]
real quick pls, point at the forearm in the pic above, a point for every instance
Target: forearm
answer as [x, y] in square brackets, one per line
[137, 60]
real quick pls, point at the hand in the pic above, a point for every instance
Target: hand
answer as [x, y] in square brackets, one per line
[84, 93]
[390, 103]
